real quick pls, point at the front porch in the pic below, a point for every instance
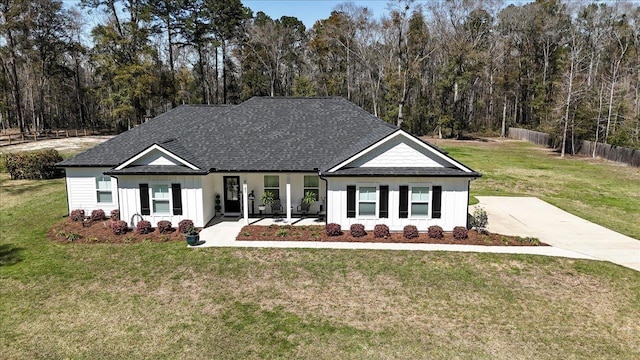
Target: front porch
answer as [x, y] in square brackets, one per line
[241, 196]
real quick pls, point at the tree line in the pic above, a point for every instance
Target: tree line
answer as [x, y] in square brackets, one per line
[448, 67]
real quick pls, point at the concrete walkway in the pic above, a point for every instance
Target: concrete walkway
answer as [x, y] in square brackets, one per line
[529, 216]
[223, 234]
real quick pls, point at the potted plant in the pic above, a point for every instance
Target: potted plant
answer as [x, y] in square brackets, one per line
[309, 198]
[192, 235]
[218, 207]
[267, 198]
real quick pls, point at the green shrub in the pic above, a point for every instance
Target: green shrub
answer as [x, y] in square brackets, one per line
[529, 240]
[73, 237]
[480, 220]
[34, 165]
[282, 232]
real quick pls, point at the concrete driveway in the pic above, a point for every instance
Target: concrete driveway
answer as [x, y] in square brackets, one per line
[529, 216]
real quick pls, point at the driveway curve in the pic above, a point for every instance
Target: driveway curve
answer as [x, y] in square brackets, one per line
[530, 216]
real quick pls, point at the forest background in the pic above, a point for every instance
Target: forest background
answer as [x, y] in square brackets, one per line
[442, 67]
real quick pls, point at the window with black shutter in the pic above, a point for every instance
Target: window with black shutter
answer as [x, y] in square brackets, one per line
[176, 195]
[144, 199]
[436, 210]
[351, 201]
[404, 202]
[384, 201]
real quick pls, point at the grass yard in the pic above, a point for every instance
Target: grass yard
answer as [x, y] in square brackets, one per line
[162, 300]
[602, 192]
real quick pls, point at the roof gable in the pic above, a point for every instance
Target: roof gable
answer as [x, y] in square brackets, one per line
[398, 152]
[401, 153]
[155, 155]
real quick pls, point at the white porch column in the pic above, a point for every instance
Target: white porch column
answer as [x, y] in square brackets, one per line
[245, 202]
[288, 199]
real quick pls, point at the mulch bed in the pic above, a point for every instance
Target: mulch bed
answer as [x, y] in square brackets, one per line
[69, 231]
[317, 233]
[91, 232]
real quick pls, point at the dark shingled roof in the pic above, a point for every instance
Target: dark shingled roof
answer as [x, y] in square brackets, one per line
[260, 134]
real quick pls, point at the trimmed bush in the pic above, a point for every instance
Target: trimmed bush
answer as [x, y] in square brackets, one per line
[460, 232]
[164, 226]
[119, 227]
[184, 225]
[34, 165]
[381, 231]
[115, 215]
[77, 215]
[333, 229]
[410, 232]
[480, 220]
[97, 215]
[357, 230]
[144, 227]
[435, 232]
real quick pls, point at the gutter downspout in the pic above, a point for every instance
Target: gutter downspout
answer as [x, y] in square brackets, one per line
[118, 192]
[468, 200]
[66, 189]
[326, 195]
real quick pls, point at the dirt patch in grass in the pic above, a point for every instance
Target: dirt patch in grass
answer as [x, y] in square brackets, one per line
[317, 233]
[71, 144]
[69, 231]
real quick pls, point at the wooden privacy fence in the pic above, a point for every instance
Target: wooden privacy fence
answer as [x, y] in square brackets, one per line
[18, 138]
[535, 137]
[584, 147]
[613, 153]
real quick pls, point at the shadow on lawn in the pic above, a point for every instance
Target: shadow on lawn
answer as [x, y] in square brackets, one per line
[10, 255]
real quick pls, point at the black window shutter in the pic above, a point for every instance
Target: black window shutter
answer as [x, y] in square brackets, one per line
[384, 201]
[176, 195]
[404, 202]
[436, 212]
[144, 199]
[351, 201]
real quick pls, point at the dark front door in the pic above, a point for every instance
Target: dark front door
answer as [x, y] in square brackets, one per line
[231, 194]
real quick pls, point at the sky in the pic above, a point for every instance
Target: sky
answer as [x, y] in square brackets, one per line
[309, 11]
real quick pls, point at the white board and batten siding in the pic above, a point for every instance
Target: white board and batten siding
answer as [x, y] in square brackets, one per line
[82, 192]
[191, 192]
[455, 192]
[396, 152]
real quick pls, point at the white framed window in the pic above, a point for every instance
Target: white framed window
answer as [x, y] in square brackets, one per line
[419, 201]
[312, 184]
[272, 183]
[104, 193]
[367, 201]
[160, 199]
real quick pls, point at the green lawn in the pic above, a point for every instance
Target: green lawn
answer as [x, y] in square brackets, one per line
[162, 300]
[602, 192]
